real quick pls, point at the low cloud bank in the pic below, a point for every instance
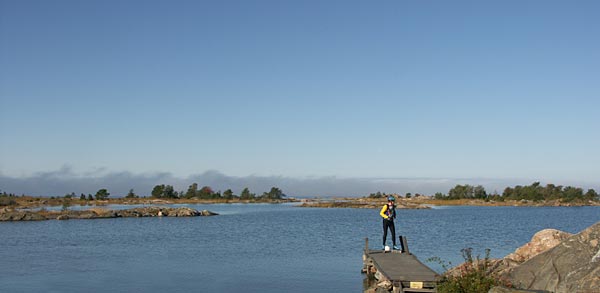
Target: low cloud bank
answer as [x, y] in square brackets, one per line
[64, 181]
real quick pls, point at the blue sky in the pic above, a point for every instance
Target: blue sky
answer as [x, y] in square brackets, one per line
[455, 90]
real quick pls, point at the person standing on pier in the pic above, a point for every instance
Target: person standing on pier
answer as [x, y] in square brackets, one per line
[388, 213]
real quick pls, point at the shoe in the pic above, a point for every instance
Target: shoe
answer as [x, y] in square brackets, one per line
[396, 247]
[383, 248]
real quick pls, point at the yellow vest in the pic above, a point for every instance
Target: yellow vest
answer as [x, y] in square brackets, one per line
[383, 210]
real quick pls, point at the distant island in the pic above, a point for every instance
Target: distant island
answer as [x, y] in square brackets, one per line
[29, 208]
[161, 194]
[529, 195]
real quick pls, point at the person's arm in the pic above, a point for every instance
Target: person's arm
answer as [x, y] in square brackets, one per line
[382, 213]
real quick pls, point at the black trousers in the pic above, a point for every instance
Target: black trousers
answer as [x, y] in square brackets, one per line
[389, 224]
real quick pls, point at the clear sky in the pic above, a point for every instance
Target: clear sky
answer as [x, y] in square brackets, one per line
[302, 89]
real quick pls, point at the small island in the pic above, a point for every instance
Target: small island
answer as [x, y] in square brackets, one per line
[100, 213]
[30, 208]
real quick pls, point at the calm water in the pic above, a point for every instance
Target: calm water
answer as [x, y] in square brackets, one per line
[252, 248]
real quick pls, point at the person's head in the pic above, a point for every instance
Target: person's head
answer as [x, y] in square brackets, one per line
[391, 200]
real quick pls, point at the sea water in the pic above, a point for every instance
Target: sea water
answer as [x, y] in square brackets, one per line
[253, 247]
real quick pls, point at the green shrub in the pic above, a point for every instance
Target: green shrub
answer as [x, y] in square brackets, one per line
[473, 276]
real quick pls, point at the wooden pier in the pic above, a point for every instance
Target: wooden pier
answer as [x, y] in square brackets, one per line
[398, 271]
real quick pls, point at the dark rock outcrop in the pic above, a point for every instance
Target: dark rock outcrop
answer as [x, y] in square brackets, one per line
[571, 266]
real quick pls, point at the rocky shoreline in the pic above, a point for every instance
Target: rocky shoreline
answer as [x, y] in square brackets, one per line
[553, 261]
[99, 213]
[425, 202]
[359, 205]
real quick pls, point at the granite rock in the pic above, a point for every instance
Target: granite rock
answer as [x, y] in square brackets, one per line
[571, 266]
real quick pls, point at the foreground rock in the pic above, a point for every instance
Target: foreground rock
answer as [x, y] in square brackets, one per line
[513, 290]
[96, 213]
[553, 261]
[540, 242]
[571, 266]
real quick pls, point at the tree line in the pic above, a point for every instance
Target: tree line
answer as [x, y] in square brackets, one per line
[380, 194]
[533, 192]
[206, 192]
[168, 191]
[101, 194]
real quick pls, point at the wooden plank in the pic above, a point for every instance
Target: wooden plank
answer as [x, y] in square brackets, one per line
[401, 267]
[418, 290]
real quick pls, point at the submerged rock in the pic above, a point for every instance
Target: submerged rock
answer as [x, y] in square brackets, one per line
[207, 213]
